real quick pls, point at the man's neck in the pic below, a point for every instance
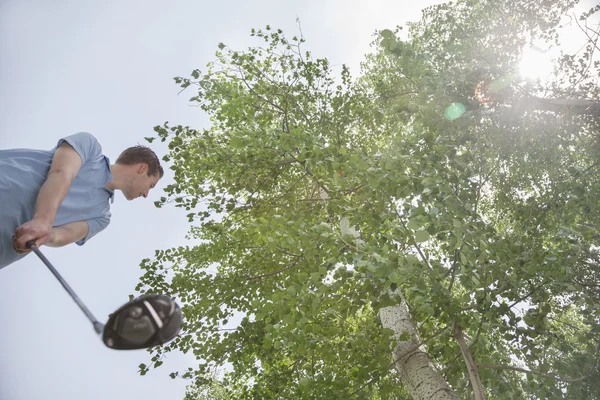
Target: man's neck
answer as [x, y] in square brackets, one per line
[116, 170]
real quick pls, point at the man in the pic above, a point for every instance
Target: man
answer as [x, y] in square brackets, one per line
[61, 196]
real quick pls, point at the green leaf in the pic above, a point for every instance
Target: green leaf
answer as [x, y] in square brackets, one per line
[421, 236]
[304, 382]
[411, 259]
[386, 33]
[292, 290]
[346, 229]
[414, 224]
[143, 369]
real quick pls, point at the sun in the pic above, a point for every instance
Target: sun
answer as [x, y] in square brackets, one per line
[535, 64]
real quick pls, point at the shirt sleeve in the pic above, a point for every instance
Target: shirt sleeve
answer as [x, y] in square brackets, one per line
[85, 144]
[95, 225]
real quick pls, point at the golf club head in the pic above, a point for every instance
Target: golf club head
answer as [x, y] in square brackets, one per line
[145, 321]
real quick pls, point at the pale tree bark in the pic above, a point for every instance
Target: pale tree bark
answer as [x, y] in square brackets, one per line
[422, 380]
[471, 366]
[576, 106]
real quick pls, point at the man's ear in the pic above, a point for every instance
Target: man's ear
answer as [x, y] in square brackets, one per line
[143, 168]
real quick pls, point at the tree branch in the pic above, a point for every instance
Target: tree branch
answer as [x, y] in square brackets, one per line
[309, 172]
[472, 369]
[527, 295]
[548, 376]
[414, 242]
[485, 288]
[252, 278]
[406, 353]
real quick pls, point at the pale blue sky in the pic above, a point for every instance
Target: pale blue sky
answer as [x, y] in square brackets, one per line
[106, 67]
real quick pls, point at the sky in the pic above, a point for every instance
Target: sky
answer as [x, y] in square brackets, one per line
[106, 67]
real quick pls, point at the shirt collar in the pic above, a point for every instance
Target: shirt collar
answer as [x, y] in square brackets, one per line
[109, 177]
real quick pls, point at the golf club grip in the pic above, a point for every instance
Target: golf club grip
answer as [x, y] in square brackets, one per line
[32, 246]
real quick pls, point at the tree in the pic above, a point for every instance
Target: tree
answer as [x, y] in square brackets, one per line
[355, 231]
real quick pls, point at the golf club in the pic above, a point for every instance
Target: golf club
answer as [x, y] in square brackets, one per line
[146, 321]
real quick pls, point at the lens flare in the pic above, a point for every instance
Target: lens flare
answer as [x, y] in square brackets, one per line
[482, 95]
[454, 111]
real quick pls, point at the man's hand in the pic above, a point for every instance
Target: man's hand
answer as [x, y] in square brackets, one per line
[36, 230]
[59, 236]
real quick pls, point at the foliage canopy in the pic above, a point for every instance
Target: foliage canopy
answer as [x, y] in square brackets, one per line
[314, 198]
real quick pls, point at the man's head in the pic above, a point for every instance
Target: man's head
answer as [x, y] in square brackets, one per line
[141, 154]
[143, 171]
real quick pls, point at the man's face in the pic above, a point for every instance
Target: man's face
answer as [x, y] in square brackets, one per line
[140, 183]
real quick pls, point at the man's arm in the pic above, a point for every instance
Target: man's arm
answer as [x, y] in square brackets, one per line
[67, 234]
[63, 170]
[63, 235]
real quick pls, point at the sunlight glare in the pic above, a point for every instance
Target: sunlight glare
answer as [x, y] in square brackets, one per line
[535, 64]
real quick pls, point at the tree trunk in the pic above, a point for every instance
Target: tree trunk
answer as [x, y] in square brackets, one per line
[576, 106]
[422, 380]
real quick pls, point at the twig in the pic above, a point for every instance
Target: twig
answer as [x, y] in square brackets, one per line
[452, 270]
[594, 42]
[480, 186]
[450, 364]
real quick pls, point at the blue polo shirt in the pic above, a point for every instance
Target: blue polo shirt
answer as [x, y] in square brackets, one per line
[24, 171]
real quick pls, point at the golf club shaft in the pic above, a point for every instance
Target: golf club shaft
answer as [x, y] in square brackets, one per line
[97, 325]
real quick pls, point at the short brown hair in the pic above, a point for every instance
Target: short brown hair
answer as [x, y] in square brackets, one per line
[141, 154]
